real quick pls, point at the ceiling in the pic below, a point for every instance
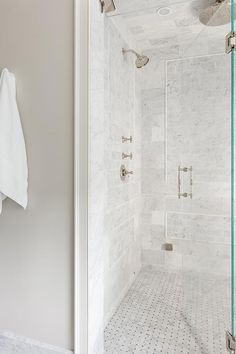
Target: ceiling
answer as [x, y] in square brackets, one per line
[156, 23]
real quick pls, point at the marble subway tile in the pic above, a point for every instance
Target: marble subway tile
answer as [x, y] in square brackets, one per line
[152, 180]
[173, 260]
[158, 217]
[198, 227]
[158, 133]
[153, 257]
[197, 135]
[122, 202]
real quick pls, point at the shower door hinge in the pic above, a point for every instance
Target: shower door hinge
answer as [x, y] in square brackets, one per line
[230, 42]
[230, 343]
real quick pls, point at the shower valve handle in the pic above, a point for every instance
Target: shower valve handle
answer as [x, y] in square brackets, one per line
[126, 156]
[124, 172]
[124, 139]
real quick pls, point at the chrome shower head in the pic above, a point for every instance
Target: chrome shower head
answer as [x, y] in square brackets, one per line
[216, 14]
[141, 60]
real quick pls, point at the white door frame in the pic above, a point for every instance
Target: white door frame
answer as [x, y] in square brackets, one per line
[81, 108]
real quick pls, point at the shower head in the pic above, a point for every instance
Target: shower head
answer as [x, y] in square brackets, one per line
[141, 60]
[216, 14]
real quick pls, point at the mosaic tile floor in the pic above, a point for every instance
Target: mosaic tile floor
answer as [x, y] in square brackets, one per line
[171, 313]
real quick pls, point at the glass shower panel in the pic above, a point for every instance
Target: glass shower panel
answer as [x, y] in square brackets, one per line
[181, 118]
[232, 174]
[198, 220]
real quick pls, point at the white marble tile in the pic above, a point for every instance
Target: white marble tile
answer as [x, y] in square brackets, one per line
[153, 257]
[157, 134]
[180, 31]
[122, 199]
[173, 260]
[158, 217]
[196, 112]
[199, 227]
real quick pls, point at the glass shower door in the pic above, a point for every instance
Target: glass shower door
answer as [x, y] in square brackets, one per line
[182, 301]
[230, 337]
[199, 215]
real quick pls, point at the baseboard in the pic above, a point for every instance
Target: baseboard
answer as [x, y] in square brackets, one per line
[13, 344]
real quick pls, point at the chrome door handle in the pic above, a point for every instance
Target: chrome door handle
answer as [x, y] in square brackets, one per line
[124, 172]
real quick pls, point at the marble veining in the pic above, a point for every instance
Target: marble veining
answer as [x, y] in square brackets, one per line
[122, 252]
[185, 115]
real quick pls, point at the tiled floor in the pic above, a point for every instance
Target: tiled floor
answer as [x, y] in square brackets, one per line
[171, 313]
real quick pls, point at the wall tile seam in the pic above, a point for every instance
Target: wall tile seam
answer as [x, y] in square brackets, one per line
[131, 200]
[119, 226]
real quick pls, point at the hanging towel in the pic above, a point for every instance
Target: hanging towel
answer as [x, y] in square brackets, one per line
[13, 160]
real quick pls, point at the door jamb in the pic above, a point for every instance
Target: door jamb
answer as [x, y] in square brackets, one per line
[81, 114]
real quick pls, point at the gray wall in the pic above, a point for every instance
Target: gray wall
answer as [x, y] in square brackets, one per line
[36, 245]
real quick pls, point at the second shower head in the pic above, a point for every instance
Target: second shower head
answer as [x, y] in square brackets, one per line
[141, 60]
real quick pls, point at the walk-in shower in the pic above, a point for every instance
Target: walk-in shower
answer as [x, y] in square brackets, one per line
[163, 168]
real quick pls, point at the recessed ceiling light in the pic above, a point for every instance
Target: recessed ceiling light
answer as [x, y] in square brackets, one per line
[164, 11]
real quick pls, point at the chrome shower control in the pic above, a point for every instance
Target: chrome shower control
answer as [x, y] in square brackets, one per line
[124, 172]
[126, 156]
[124, 139]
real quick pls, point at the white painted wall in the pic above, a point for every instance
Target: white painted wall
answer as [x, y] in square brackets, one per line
[36, 245]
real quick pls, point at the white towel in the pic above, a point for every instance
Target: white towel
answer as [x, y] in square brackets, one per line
[13, 160]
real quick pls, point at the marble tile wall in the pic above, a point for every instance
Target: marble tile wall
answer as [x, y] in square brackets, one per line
[185, 121]
[114, 251]
[122, 198]
[198, 134]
